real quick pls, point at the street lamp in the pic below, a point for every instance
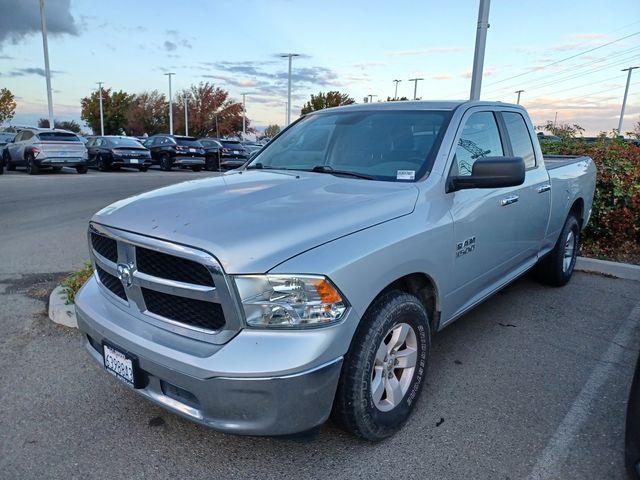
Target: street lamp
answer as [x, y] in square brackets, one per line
[518, 92]
[624, 99]
[415, 86]
[244, 116]
[395, 96]
[101, 112]
[186, 116]
[371, 97]
[169, 74]
[47, 70]
[478, 55]
[289, 56]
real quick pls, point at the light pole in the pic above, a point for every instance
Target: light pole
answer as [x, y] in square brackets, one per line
[186, 116]
[395, 96]
[244, 115]
[478, 56]
[169, 74]
[624, 99]
[289, 56]
[101, 112]
[371, 97]
[47, 70]
[518, 92]
[415, 86]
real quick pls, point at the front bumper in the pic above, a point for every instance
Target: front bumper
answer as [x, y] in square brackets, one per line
[188, 161]
[281, 402]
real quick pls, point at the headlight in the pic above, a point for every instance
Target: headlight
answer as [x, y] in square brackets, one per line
[293, 301]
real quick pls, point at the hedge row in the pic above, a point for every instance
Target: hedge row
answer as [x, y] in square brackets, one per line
[614, 229]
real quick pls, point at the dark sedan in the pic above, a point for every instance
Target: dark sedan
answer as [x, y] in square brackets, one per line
[632, 437]
[113, 152]
[212, 153]
[176, 150]
[233, 155]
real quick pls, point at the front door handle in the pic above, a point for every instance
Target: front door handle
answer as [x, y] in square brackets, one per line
[544, 188]
[509, 200]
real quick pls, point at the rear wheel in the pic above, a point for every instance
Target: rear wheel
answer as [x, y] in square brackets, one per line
[196, 168]
[101, 164]
[385, 368]
[32, 168]
[557, 267]
[165, 163]
[81, 169]
[143, 169]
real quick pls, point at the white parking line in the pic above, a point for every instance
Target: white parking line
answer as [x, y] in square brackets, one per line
[549, 464]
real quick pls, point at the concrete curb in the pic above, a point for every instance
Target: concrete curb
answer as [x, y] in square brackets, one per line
[59, 311]
[615, 269]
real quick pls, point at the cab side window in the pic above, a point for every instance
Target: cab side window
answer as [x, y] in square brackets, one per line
[480, 138]
[520, 138]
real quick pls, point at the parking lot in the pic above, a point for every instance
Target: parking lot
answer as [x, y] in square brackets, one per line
[532, 384]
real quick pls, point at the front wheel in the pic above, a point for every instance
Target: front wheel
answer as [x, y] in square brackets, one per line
[385, 368]
[81, 169]
[196, 168]
[101, 164]
[7, 161]
[557, 267]
[166, 163]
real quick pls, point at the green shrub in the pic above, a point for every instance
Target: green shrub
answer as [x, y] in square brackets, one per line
[614, 228]
[75, 281]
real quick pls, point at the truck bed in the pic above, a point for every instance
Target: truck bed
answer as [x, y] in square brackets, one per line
[557, 161]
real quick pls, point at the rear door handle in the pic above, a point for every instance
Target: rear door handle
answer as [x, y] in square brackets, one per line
[509, 200]
[544, 188]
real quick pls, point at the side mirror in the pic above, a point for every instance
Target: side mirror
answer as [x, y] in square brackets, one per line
[491, 172]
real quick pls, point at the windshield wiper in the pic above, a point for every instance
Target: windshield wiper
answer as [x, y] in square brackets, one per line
[260, 166]
[331, 170]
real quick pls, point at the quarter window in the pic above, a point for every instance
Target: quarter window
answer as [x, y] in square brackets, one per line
[480, 138]
[520, 138]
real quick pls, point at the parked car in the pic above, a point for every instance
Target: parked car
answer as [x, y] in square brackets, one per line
[113, 151]
[632, 428]
[5, 137]
[233, 154]
[213, 152]
[176, 150]
[251, 147]
[43, 148]
[549, 138]
[314, 278]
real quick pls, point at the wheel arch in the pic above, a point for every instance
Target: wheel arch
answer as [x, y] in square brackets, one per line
[577, 209]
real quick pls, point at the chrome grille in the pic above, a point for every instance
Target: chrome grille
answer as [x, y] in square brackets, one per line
[174, 287]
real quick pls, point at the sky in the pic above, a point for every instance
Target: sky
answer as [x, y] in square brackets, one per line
[567, 56]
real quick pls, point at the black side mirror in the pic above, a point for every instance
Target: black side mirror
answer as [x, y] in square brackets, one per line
[491, 172]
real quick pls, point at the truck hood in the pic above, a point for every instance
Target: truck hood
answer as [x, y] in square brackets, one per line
[253, 220]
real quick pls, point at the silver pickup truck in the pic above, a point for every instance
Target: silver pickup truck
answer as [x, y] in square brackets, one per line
[312, 280]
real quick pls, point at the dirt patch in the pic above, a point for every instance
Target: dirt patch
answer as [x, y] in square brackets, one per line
[35, 285]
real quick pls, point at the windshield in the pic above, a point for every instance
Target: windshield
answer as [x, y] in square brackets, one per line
[58, 137]
[125, 142]
[231, 144]
[188, 142]
[385, 145]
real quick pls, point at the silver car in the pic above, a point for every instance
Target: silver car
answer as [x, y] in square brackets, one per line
[42, 148]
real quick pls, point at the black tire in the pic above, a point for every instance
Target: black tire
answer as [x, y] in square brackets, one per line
[212, 165]
[57, 169]
[101, 164]
[143, 169]
[355, 408]
[553, 269]
[1, 166]
[32, 168]
[81, 169]
[196, 168]
[7, 162]
[165, 163]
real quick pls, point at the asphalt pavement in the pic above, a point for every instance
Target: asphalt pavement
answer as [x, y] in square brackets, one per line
[531, 384]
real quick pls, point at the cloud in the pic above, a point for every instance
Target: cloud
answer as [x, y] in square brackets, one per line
[488, 72]
[169, 46]
[24, 72]
[589, 36]
[22, 18]
[365, 65]
[442, 76]
[426, 51]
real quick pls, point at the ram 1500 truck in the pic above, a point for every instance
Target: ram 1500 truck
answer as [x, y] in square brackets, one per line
[312, 279]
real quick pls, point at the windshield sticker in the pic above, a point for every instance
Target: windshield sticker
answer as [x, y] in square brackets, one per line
[405, 175]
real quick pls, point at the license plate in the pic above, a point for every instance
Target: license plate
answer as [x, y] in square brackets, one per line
[236, 152]
[119, 364]
[192, 149]
[133, 160]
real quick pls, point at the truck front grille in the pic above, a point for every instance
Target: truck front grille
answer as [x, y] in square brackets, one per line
[111, 282]
[205, 315]
[107, 247]
[173, 268]
[174, 287]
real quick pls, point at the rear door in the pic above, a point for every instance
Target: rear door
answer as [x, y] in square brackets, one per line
[484, 219]
[534, 195]
[14, 148]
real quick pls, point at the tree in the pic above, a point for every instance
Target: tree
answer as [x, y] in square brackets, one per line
[148, 113]
[115, 106]
[326, 100]
[635, 133]
[563, 130]
[70, 125]
[211, 112]
[271, 131]
[7, 105]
